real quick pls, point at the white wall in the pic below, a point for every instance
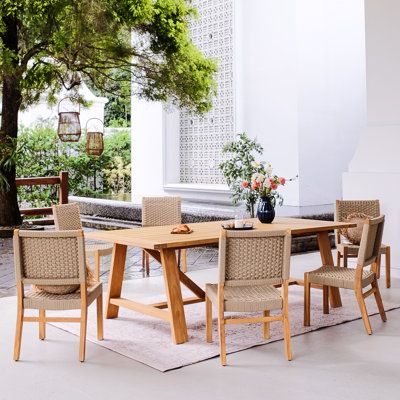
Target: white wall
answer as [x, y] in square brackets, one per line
[300, 88]
[331, 93]
[374, 171]
[266, 83]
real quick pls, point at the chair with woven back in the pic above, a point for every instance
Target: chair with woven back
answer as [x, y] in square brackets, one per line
[346, 250]
[251, 264]
[356, 279]
[161, 211]
[67, 217]
[55, 259]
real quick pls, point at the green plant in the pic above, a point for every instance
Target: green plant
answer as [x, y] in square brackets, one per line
[44, 155]
[48, 45]
[9, 153]
[238, 169]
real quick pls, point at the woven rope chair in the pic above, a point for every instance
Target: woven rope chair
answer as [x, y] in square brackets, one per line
[348, 250]
[351, 278]
[250, 264]
[67, 217]
[53, 258]
[161, 211]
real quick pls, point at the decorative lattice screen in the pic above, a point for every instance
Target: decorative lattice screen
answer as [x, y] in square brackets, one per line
[202, 138]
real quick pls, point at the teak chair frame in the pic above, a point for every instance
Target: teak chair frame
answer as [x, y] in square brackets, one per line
[266, 318]
[42, 319]
[369, 253]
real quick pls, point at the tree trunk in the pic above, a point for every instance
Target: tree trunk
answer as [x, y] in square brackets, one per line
[11, 101]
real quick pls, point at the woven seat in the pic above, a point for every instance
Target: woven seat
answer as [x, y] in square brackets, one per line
[339, 277]
[250, 264]
[351, 278]
[162, 211]
[53, 258]
[67, 217]
[247, 298]
[48, 301]
[346, 250]
[352, 249]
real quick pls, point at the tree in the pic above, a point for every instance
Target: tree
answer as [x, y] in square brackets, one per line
[49, 44]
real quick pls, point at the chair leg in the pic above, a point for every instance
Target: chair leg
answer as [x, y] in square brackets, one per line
[307, 300]
[363, 309]
[82, 345]
[338, 259]
[286, 324]
[266, 330]
[345, 256]
[222, 344]
[325, 297]
[97, 265]
[378, 300]
[184, 261]
[378, 266]
[18, 333]
[42, 324]
[387, 259]
[99, 305]
[147, 258]
[143, 262]
[208, 320]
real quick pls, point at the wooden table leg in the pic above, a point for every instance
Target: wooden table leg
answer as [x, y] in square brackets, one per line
[115, 279]
[327, 259]
[174, 296]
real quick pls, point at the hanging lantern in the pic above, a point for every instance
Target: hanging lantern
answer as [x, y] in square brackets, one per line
[94, 139]
[69, 126]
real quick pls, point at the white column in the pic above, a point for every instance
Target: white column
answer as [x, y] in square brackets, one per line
[147, 149]
[374, 172]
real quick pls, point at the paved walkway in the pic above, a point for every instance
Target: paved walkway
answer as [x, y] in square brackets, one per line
[198, 258]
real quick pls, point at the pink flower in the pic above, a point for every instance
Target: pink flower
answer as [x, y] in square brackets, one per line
[274, 186]
[255, 185]
[282, 181]
[245, 184]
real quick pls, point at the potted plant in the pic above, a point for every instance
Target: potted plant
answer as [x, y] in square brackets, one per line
[266, 184]
[250, 179]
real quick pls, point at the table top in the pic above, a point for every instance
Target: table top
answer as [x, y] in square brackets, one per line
[206, 233]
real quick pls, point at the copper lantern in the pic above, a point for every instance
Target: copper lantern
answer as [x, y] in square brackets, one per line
[69, 126]
[94, 139]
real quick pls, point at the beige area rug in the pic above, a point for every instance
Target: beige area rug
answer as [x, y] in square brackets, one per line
[148, 340]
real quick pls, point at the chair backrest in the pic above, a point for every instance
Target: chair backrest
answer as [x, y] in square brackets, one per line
[158, 211]
[346, 207]
[254, 257]
[371, 241]
[67, 217]
[49, 257]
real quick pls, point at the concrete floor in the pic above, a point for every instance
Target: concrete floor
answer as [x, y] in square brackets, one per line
[340, 362]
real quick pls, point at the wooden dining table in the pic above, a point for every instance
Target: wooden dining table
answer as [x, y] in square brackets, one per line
[161, 244]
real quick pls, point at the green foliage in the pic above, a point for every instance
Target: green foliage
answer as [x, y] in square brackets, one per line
[9, 153]
[44, 155]
[61, 42]
[238, 168]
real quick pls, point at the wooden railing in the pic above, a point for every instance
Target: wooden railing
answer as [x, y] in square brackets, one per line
[61, 180]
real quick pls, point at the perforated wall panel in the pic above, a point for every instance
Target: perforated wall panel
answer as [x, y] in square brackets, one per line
[202, 138]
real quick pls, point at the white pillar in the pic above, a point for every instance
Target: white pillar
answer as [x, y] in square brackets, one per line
[374, 172]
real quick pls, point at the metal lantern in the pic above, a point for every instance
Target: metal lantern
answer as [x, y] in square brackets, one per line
[94, 140]
[69, 126]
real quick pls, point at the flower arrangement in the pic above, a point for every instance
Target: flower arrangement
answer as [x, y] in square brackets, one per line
[247, 178]
[264, 182]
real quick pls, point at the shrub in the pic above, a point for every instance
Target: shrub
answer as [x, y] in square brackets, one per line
[43, 154]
